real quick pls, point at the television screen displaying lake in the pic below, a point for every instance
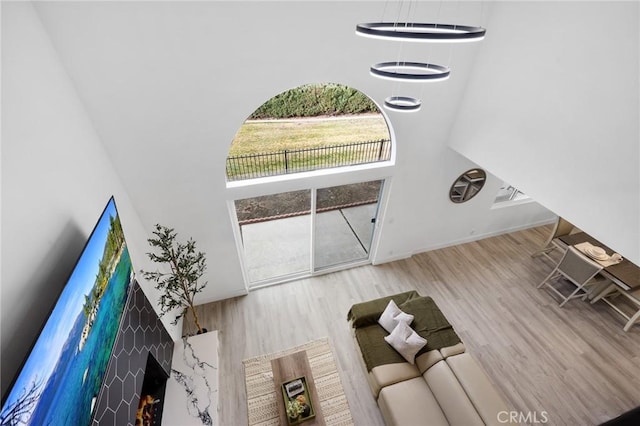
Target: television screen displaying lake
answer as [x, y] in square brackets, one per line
[61, 378]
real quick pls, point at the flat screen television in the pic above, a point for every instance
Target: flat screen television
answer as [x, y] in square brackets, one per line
[60, 379]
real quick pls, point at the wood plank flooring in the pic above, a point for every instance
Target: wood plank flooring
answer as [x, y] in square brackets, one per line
[575, 363]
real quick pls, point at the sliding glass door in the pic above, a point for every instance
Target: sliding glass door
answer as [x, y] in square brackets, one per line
[275, 233]
[344, 222]
[295, 234]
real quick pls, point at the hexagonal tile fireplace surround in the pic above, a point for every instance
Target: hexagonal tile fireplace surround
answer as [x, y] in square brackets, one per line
[141, 335]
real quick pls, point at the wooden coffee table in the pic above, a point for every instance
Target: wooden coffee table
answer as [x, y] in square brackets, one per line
[291, 367]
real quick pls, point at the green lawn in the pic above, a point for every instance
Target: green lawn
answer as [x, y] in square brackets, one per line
[257, 137]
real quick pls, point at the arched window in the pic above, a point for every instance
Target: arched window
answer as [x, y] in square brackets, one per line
[310, 127]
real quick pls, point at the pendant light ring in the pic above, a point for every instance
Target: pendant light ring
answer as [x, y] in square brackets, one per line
[424, 32]
[402, 103]
[410, 71]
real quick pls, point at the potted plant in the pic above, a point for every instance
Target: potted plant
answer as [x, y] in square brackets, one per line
[180, 285]
[294, 410]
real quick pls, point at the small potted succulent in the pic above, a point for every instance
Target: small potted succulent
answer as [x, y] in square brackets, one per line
[180, 285]
[294, 410]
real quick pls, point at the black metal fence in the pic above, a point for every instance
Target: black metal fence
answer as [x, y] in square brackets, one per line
[302, 160]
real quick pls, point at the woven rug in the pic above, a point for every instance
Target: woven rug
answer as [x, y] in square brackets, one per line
[261, 394]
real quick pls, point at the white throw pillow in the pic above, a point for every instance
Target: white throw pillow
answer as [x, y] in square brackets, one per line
[392, 315]
[406, 341]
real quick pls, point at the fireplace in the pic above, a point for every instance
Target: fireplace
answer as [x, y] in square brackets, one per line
[152, 394]
[140, 361]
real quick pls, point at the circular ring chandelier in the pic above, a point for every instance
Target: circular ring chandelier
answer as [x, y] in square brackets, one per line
[410, 71]
[426, 32]
[402, 103]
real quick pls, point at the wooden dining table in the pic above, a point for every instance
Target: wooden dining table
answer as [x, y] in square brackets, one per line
[625, 274]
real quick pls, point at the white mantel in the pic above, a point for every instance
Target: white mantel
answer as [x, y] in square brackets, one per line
[191, 397]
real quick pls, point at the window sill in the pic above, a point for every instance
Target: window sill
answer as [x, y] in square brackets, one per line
[309, 174]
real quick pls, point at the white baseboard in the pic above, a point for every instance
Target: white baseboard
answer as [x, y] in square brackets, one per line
[391, 258]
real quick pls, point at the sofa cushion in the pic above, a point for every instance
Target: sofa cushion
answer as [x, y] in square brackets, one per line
[406, 341]
[478, 388]
[367, 313]
[392, 315]
[409, 403]
[456, 349]
[427, 359]
[451, 396]
[389, 374]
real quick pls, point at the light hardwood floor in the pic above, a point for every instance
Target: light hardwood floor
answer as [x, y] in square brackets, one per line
[575, 363]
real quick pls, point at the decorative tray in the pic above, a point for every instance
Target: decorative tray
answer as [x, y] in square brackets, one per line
[297, 400]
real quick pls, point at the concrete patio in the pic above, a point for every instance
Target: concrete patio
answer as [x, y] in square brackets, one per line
[281, 247]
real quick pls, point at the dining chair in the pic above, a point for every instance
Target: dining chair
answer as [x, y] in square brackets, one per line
[612, 294]
[576, 268]
[562, 227]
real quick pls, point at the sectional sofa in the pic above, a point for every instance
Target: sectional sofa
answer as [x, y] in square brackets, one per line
[444, 386]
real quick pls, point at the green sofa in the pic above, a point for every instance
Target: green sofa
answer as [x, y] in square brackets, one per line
[445, 386]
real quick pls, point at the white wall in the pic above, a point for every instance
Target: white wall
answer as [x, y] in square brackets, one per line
[552, 107]
[56, 179]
